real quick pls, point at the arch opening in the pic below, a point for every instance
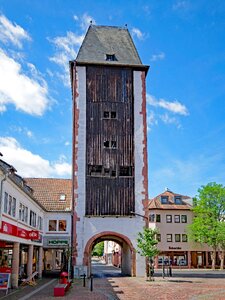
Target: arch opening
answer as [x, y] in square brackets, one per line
[119, 254]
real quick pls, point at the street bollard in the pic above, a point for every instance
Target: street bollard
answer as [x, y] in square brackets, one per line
[84, 282]
[170, 271]
[91, 286]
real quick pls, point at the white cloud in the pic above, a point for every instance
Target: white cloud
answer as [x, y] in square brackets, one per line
[12, 33]
[29, 164]
[67, 47]
[170, 120]
[151, 120]
[174, 106]
[159, 56]
[137, 32]
[28, 93]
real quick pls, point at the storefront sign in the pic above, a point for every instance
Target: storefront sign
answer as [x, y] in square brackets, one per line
[19, 232]
[4, 281]
[58, 242]
[174, 248]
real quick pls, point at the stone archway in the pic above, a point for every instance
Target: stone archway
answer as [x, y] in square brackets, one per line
[128, 250]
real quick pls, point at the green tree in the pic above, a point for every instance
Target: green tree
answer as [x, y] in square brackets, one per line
[209, 217]
[147, 247]
[98, 249]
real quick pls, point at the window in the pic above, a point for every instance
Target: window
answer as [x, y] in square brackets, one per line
[106, 144]
[168, 219]
[169, 238]
[113, 115]
[125, 171]
[113, 173]
[177, 200]
[177, 237]
[177, 219]
[164, 199]
[62, 225]
[113, 144]
[33, 219]
[40, 223]
[14, 207]
[6, 202]
[106, 114]
[62, 197]
[110, 57]
[184, 238]
[158, 218]
[183, 219]
[23, 213]
[9, 205]
[52, 225]
[94, 170]
[158, 237]
[152, 218]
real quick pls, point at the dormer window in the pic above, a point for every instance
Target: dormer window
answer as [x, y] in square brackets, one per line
[164, 199]
[177, 200]
[110, 57]
[62, 197]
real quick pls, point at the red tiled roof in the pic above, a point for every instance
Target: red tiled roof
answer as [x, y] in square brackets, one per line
[155, 203]
[47, 192]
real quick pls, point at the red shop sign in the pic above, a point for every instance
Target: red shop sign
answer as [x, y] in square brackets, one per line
[20, 232]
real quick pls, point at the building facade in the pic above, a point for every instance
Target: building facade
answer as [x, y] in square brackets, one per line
[110, 180]
[21, 226]
[55, 195]
[171, 214]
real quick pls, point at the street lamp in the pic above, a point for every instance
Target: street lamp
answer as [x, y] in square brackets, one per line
[136, 214]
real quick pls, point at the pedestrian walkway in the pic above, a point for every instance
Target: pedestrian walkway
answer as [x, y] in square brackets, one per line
[191, 287]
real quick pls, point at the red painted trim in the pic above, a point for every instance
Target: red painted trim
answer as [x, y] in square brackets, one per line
[11, 229]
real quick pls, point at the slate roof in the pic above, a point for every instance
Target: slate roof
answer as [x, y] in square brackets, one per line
[155, 203]
[47, 191]
[102, 40]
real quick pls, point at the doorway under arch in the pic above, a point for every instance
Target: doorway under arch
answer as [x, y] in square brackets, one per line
[128, 265]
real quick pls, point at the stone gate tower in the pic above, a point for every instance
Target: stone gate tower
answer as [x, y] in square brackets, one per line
[110, 184]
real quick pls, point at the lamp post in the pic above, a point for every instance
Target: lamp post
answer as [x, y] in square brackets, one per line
[136, 214]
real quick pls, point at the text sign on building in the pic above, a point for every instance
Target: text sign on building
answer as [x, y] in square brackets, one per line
[11, 229]
[58, 242]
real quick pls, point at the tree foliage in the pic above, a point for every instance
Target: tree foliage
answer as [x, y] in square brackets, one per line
[147, 246]
[209, 217]
[98, 249]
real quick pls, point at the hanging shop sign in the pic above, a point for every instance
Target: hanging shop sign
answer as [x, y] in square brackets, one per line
[19, 232]
[57, 242]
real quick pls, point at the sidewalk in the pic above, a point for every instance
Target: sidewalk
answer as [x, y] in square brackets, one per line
[128, 288]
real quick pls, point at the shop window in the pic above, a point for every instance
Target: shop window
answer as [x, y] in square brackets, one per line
[125, 171]
[52, 225]
[184, 238]
[158, 237]
[158, 218]
[177, 219]
[168, 219]
[33, 219]
[177, 200]
[183, 219]
[164, 199]
[169, 238]
[177, 237]
[62, 225]
[152, 218]
[6, 202]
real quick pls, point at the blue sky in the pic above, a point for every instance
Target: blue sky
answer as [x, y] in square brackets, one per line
[182, 41]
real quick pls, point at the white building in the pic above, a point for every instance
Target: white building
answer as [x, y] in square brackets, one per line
[21, 226]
